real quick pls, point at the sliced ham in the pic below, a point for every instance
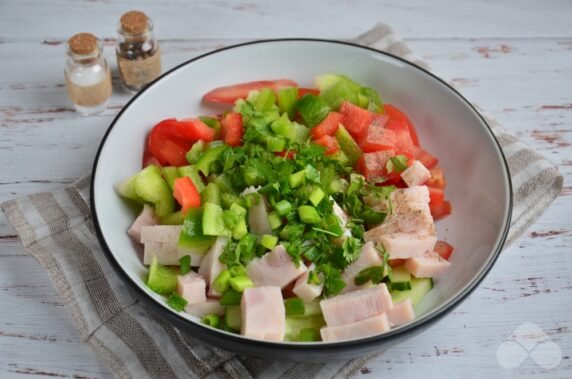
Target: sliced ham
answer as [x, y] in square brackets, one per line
[263, 314]
[147, 217]
[407, 245]
[274, 269]
[401, 313]
[169, 253]
[416, 174]
[160, 233]
[211, 265]
[369, 256]
[258, 215]
[206, 308]
[307, 291]
[356, 306]
[192, 287]
[429, 265]
[364, 328]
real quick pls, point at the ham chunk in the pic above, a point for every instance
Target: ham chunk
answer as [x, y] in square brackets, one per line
[429, 265]
[407, 245]
[205, 308]
[410, 214]
[211, 266]
[160, 233]
[274, 269]
[169, 253]
[369, 256]
[258, 215]
[415, 175]
[356, 306]
[401, 313]
[364, 328]
[263, 313]
[192, 287]
[147, 217]
[307, 291]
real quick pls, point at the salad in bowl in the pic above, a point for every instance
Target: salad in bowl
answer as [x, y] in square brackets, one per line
[296, 214]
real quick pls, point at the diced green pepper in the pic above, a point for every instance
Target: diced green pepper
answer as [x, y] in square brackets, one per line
[297, 178]
[208, 157]
[221, 283]
[269, 241]
[283, 127]
[294, 307]
[274, 220]
[185, 265]
[176, 302]
[275, 144]
[228, 199]
[192, 156]
[308, 214]
[161, 279]
[317, 196]
[283, 207]
[239, 283]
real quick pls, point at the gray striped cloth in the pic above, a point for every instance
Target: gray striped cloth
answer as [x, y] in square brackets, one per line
[56, 228]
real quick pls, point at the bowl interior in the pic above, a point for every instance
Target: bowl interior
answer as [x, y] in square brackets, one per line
[478, 185]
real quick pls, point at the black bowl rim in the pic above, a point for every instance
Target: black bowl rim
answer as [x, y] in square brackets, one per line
[214, 335]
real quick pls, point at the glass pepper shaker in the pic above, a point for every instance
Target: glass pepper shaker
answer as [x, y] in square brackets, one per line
[138, 56]
[87, 74]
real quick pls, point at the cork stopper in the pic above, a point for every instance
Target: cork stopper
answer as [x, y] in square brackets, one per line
[83, 43]
[134, 22]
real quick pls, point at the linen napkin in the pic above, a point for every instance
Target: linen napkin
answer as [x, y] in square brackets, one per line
[132, 340]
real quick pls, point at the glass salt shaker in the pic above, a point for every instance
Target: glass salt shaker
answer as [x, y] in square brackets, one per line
[87, 74]
[137, 51]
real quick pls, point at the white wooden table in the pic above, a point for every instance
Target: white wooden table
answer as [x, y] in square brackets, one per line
[514, 58]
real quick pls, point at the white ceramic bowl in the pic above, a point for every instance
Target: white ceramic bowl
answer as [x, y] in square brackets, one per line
[478, 179]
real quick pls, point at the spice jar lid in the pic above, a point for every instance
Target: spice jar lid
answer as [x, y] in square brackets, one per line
[134, 22]
[83, 44]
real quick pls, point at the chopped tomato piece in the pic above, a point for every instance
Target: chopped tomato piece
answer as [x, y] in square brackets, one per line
[193, 129]
[403, 141]
[396, 262]
[395, 113]
[330, 143]
[428, 160]
[444, 249]
[374, 165]
[441, 211]
[436, 196]
[174, 153]
[232, 129]
[229, 94]
[328, 126]
[312, 91]
[376, 137]
[355, 119]
[167, 130]
[186, 193]
[437, 179]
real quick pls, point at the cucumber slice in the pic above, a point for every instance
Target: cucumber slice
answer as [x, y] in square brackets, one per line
[170, 173]
[295, 324]
[213, 222]
[313, 109]
[339, 92]
[348, 145]
[325, 81]
[161, 279]
[233, 317]
[152, 188]
[192, 236]
[127, 190]
[419, 288]
[175, 218]
[287, 98]
[400, 279]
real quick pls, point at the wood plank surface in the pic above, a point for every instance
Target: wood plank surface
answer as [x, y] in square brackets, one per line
[513, 58]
